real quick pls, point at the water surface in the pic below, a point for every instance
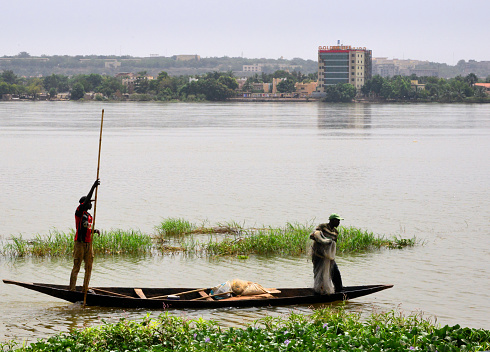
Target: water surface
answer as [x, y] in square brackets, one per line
[394, 169]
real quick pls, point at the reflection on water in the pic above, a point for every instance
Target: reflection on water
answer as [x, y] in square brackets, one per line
[394, 169]
[344, 116]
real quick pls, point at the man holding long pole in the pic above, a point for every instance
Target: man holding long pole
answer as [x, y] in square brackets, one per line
[84, 231]
[83, 250]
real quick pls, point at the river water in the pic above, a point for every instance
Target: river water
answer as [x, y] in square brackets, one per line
[394, 169]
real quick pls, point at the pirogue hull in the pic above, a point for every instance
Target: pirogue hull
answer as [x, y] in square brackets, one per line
[156, 298]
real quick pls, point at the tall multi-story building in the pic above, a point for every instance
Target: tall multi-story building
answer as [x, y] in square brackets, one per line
[343, 64]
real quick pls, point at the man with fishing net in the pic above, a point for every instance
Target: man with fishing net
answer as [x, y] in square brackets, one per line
[82, 250]
[327, 279]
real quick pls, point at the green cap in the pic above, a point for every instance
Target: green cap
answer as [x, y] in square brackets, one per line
[335, 216]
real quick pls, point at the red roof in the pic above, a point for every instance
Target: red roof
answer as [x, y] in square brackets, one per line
[486, 85]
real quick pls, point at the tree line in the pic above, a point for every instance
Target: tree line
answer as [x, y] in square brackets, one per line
[214, 86]
[400, 88]
[219, 86]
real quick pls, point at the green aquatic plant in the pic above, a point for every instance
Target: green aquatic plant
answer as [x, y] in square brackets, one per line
[120, 241]
[174, 227]
[18, 247]
[290, 240]
[61, 244]
[327, 329]
[179, 235]
[293, 239]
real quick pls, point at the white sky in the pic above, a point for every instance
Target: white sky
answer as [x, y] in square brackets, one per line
[435, 30]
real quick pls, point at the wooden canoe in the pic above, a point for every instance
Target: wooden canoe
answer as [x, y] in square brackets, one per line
[181, 297]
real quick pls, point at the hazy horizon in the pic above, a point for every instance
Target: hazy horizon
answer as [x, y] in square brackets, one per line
[429, 30]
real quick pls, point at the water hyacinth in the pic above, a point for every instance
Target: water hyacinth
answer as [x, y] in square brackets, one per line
[346, 331]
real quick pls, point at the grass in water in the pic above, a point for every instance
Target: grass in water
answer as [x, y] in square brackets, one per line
[293, 239]
[234, 239]
[61, 244]
[289, 240]
[324, 330]
[171, 227]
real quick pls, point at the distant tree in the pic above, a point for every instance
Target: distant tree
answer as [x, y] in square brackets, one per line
[480, 93]
[401, 87]
[23, 55]
[342, 92]
[281, 74]
[52, 93]
[208, 87]
[373, 86]
[59, 82]
[77, 92]
[313, 76]
[487, 80]
[298, 76]
[386, 90]
[286, 86]
[110, 86]
[82, 79]
[461, 63]
[95, 80]
[376, 84]
[228, 81]
[8, 76]
[248, 86]
[216, 91]
[471, 79]
[4, 88]
[164, 85]
[266, 78]
[142, 85]
[35, 86]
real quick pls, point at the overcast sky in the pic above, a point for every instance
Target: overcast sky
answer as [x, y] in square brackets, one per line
[435, 30]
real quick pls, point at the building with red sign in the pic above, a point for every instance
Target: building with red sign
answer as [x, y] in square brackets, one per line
[343, 64]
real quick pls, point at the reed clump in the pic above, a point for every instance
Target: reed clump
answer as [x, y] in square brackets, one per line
[355, 240]
[58, 243]
[179, 235]
[324, 330]
[293, 239]
[288, 240]
[174, 227]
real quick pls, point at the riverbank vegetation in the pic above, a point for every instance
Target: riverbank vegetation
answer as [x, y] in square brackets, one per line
[326, 329]
[179, 235]
[211, 86]
[426, 89]
[221, 86]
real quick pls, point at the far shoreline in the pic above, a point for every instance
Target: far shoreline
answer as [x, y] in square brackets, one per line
[257, 100]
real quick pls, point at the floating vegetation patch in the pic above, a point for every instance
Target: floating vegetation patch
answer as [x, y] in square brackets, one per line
[61, 244]
[324, 330]
[174, 227]
[179, 235]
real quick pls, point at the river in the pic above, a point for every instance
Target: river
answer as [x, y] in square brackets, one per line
[394, 169]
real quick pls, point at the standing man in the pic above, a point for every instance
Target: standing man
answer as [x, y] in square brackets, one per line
[326, 273]
[83, 239]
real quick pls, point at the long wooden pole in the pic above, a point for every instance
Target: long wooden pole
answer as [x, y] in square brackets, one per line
[85, 288]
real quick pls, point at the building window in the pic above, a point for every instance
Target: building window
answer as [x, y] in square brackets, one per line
[353, 61]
